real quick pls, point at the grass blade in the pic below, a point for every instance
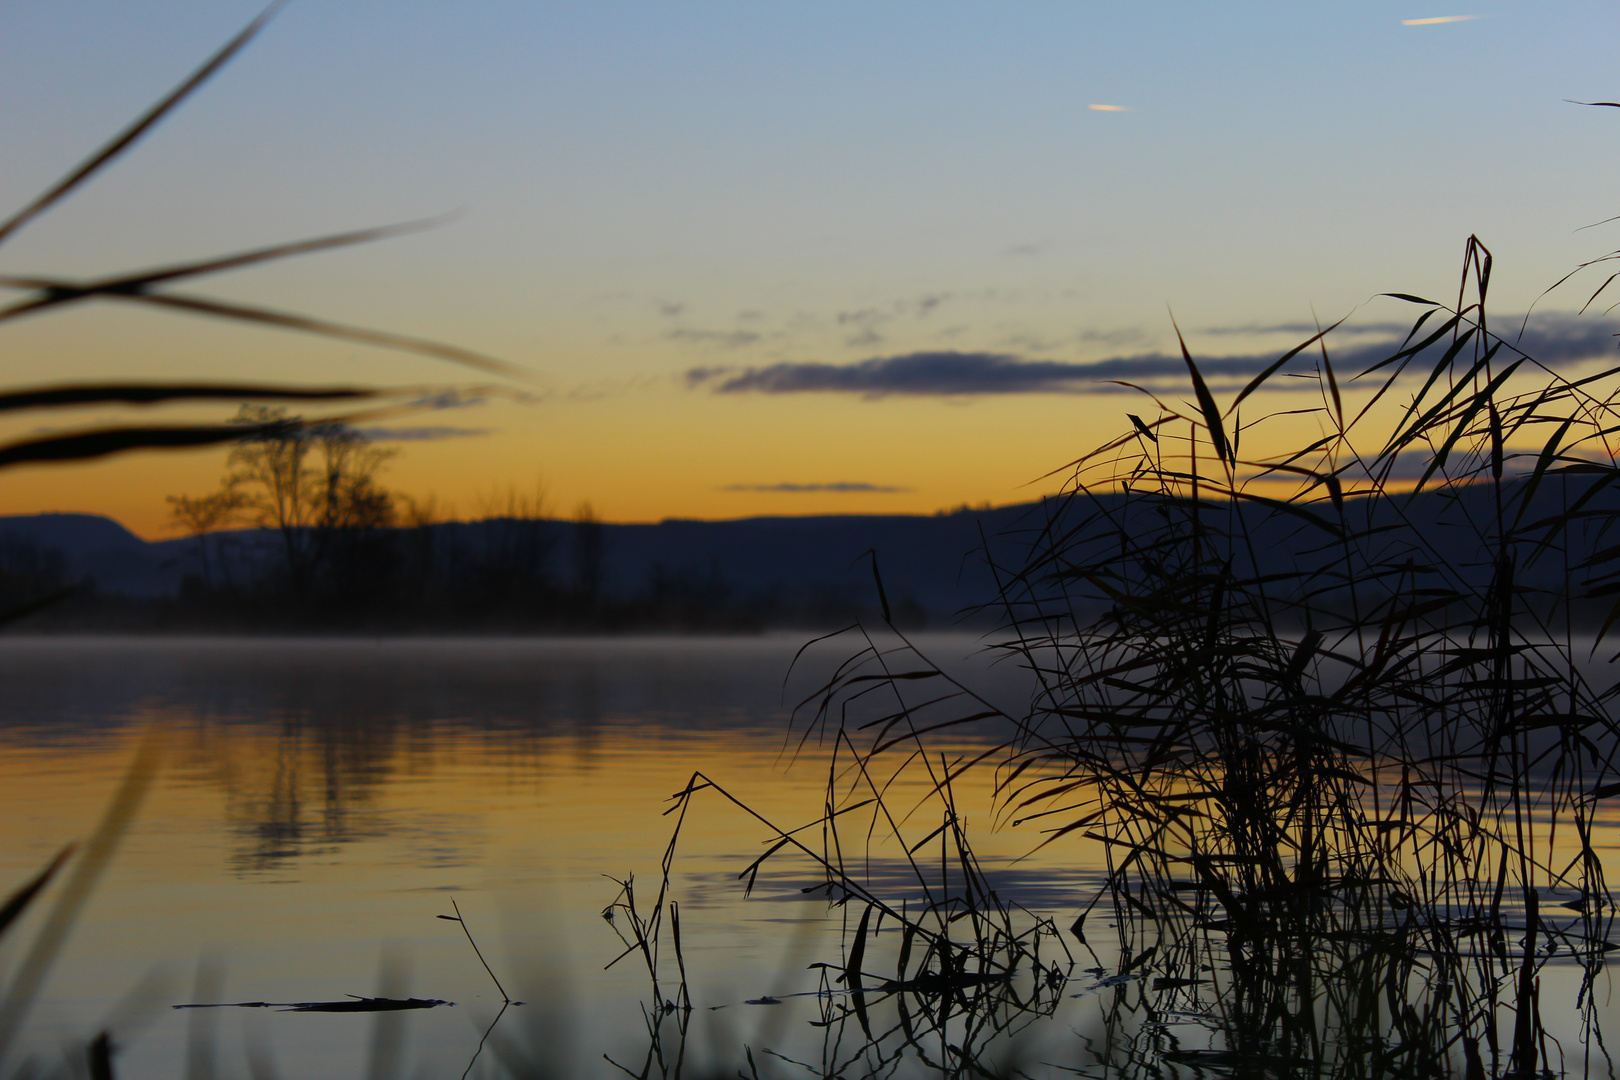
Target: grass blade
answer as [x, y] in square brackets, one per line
[18, 901]
[93, 859]
[140, 127]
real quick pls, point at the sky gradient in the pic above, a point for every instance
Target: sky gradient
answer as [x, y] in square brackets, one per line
[782, 259]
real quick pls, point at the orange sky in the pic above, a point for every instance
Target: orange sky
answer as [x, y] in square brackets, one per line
[692, 231]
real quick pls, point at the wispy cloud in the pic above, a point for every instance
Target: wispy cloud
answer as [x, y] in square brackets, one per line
[725, 339]
[797, 489]
[1109, 108]
[431, 433]
[438, 399]
[1300, 329]
[1554, 341]
[971, 374]
[1434, 21]
[450, 397]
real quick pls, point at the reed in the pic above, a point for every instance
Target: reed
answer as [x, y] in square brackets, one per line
[1340, 733]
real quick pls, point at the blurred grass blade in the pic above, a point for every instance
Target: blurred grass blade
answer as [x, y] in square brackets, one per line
[140, 127]
[93, 858]
[56, 397]
[101, 442]
[100, 1055]
[58, 291]
[18, 901]
[381, 338]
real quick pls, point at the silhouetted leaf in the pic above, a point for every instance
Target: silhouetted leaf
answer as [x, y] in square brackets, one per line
[1206, 404]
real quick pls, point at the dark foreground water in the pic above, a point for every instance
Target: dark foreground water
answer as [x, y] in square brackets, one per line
[321, 802]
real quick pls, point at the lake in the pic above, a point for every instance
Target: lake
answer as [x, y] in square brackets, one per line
[321, 802]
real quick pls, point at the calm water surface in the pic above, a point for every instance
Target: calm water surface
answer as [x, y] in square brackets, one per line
[322, 801]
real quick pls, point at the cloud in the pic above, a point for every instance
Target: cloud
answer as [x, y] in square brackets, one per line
[863, 325]
[961, 374]
[1433, 22]
[1554, 341]
[922, 373]
[450, 397]
[726, 339]
[840, 486]
[1110, 108]
[1382, 329]
[1115, 338]
[429, 433]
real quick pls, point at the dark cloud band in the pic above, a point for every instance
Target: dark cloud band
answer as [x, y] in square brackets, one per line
[1554, 341]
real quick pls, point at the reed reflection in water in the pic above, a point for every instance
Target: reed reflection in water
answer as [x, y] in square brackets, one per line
[323, 801]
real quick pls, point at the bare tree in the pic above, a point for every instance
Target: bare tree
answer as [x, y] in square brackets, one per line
[309, 482]
[349, 496]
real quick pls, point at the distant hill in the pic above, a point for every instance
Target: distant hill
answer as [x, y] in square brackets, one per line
[95, 549]
[801, 562]
[817, 570]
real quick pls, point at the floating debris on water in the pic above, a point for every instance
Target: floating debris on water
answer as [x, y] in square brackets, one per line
[356, 1003]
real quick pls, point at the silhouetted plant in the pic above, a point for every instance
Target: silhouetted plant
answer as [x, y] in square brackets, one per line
[1332, 732]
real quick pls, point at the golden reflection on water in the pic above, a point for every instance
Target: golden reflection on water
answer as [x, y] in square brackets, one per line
[321, 801]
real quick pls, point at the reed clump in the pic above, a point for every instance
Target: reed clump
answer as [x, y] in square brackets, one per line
[1337, 718]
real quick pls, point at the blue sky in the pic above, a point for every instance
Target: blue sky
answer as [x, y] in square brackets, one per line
[648, 189]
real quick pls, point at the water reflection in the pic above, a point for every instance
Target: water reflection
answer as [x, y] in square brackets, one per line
[324, 801]
[302, 737]
[321, 797]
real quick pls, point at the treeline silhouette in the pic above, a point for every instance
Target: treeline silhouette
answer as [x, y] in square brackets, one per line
[506, 574]
[494, 576]
[347, 554]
